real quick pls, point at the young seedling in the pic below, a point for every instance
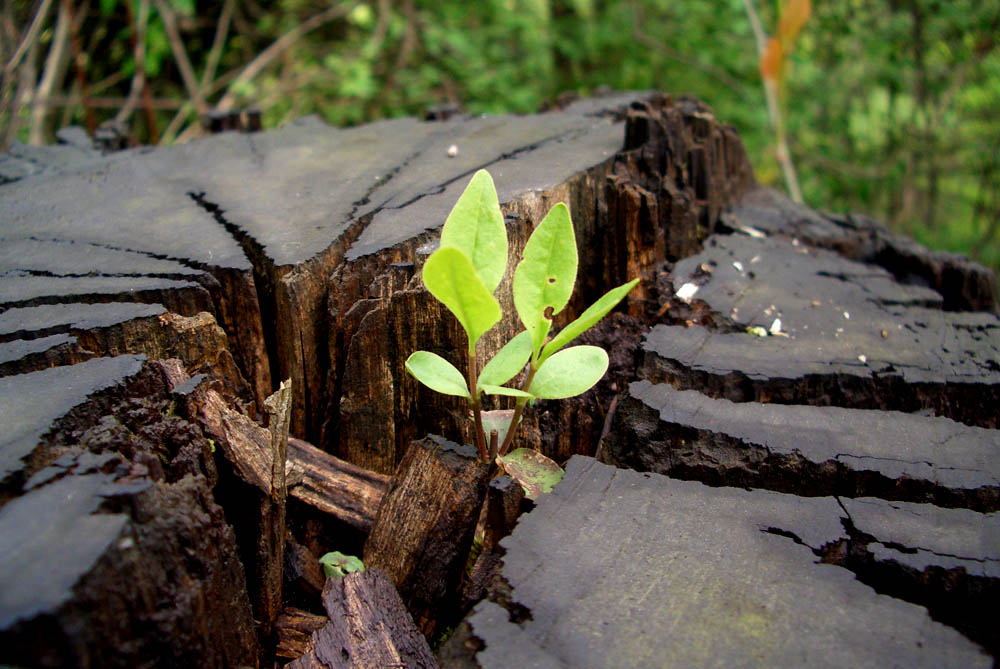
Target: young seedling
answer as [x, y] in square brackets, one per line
[338, 565]
[464, 274]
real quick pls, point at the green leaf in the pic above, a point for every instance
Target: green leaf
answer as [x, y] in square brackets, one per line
[508, 361]
[536, 473]
[437, 373]
[543, 280]
[338, 565]
[504, 390]
[588, 318]
[569, 372]
[475, 226]
[451, 278]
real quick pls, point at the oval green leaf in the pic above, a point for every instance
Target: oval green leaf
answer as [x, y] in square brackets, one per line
[536, 473]
[569, 372]
[437, 373]
[475, 227]
[508, 361]
[451, 278]
[545, 276]
[588, 318]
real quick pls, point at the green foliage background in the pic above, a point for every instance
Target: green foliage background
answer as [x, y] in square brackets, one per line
[893, 106]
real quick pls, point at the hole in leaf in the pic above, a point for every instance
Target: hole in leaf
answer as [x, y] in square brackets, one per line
[552, 279]
[548, 313]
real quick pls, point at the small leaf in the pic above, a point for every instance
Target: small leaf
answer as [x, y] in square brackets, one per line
[536, 473]
[338, 565]
[503, 390]
[437, 373]
[588, 318]
[569, 372]
[475, 227]
[498, 420]
[543, 280]
[451, 278]
[508, 361]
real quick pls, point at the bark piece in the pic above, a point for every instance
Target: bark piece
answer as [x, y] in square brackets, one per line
[426, 524]
[295, 632]
[369, 627]
[626, 569]
[504, 503]
[806, 450]
[270, 562]
[345, 491]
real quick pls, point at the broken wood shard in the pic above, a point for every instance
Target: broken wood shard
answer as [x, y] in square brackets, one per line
[368, 627]
[425, 526]
[336, 487]
[271, 544]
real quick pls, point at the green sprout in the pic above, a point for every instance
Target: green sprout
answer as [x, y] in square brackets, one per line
[465, 272]
[338, 565]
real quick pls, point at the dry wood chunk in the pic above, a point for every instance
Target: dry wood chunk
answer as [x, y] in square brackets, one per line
[369, 627]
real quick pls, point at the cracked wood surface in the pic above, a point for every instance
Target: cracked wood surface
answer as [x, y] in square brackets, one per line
[698, 576]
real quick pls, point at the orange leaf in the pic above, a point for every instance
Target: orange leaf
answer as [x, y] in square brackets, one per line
[771, 59]
[794, 16]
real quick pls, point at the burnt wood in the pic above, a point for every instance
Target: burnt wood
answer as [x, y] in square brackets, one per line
[151, 299]
[425, 526]
[368, 627]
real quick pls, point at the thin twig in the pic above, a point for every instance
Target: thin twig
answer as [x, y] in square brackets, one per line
[221, 34]
[139, 56]
[268, 55]
[30, 37]
[180, 55]
[55, 70]
[771, 92]
[608, 418]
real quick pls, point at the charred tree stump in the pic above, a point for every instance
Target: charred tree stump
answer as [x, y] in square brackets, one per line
[149, 300]
[369, 627]
[426, 524]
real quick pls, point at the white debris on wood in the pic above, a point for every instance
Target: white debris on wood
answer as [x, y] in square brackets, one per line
[738, 265]
[775, 326]
[686, 292]
[752, 232]
[847, 316]
[863, 358]
[452, 150]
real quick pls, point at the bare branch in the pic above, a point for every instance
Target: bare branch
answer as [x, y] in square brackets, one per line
[268, 55]
[139, 56]
[221, 33]
[180, 55]
[52, 75]
[29, 37]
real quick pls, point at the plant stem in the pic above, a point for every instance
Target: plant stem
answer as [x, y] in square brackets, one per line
[477, 407]
[518, 410]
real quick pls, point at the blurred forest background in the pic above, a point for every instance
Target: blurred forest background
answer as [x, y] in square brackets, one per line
[889, 107]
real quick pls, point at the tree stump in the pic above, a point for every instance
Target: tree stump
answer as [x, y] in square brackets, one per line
[151, 299]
